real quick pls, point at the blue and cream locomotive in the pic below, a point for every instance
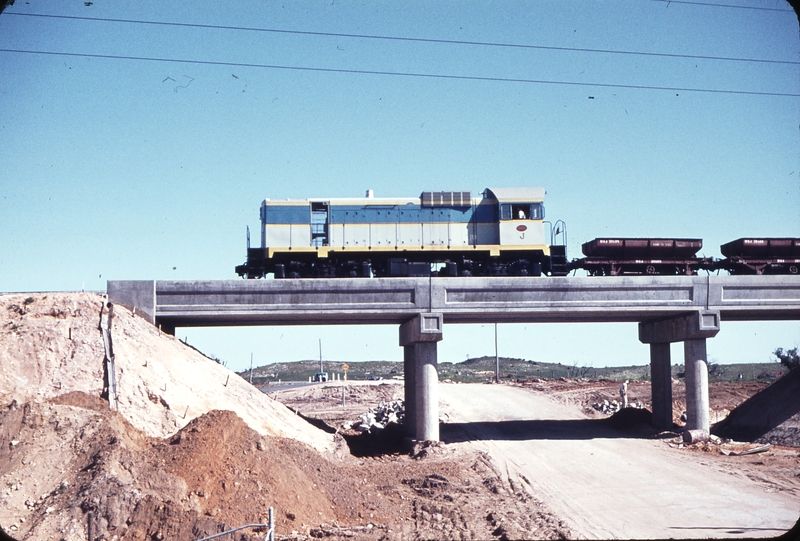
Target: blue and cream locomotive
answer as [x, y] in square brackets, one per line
[501, 233]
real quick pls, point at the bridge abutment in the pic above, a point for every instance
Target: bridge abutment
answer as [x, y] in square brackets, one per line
[691, 329]
[418, 337]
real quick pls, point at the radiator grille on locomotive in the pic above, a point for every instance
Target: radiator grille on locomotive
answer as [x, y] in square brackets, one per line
[446, 199]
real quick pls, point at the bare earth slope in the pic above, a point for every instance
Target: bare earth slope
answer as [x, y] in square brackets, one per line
[51, 345]
[609, 484]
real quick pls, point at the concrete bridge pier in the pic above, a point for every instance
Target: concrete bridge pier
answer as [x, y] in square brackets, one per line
[661, 384]
[418, 337]
[691, 329]
[696, 370]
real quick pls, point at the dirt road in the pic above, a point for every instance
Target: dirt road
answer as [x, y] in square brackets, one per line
[605, 483]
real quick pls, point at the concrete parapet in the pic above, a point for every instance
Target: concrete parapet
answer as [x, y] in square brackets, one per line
[139, 296]
[696, 325]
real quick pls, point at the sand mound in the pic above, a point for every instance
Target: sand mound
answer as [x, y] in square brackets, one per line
[51, 345]
[74, 465]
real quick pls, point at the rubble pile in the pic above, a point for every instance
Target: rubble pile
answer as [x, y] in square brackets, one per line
[610, 407]
[376, 419]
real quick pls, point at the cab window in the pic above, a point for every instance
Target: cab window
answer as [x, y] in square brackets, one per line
[521, 211]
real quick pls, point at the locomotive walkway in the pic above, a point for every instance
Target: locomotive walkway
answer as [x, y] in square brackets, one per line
[669, 309]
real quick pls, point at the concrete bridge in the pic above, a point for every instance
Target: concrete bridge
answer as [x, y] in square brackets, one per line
[686, 309]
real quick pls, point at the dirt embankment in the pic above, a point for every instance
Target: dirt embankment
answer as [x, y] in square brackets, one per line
[193, 449]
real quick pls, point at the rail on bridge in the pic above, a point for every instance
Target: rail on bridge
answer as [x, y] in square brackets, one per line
[669, 309]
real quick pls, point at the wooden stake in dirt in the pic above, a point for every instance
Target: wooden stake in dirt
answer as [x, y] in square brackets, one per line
[109, 368]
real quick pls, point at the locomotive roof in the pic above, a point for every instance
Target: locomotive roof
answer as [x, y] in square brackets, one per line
[516, 194]
[499, 194]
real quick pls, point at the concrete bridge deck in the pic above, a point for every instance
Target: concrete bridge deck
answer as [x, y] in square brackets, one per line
[350, 301]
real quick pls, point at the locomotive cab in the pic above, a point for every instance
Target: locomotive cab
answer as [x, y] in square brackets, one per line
[521, 216]
[521, 232]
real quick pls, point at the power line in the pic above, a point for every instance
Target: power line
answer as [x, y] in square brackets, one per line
[409, 39]
[401, 74]
[713, 5]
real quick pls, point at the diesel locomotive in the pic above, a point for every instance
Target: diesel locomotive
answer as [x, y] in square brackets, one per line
[502, 232]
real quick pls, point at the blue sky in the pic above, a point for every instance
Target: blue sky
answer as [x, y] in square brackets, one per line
[142, 151]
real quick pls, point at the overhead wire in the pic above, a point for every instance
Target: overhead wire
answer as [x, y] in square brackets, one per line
[410, 39]
[401, 74]
[715, 5]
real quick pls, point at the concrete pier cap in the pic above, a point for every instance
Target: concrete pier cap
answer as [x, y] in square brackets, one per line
[693, 326]
[422, 328]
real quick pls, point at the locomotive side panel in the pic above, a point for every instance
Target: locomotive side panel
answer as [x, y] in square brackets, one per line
[485, 226]
[286, 225]
[377, 225]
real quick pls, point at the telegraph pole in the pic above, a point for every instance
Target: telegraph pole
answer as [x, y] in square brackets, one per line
[496, 358]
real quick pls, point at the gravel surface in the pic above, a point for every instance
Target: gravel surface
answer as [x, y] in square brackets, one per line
[613, 480]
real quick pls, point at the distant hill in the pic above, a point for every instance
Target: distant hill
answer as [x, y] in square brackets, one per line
[483, 368]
